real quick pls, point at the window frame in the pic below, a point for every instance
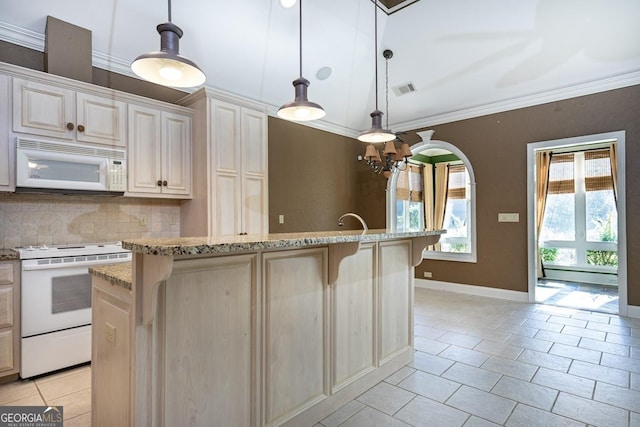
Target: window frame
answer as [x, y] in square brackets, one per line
[427, 143]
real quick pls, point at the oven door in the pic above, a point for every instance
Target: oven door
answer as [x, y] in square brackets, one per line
[56, 292]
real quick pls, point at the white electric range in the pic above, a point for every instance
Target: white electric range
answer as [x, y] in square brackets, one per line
[56, 303]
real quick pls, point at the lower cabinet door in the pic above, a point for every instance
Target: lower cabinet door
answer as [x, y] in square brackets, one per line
[296, 357]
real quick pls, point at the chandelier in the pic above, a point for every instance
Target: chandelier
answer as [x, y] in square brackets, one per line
[393, 157]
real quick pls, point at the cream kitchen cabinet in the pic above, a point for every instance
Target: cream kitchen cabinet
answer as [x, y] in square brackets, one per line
[62, 112]
[9, 318]
[232, 198]
[159, 153]
[6, 146]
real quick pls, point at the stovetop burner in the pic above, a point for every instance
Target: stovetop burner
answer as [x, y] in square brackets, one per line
[44, 251]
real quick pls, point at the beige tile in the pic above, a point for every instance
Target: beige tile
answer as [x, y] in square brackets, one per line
[618, 396]
[464, 355]
[342, 414]
[17, 390]
[590, 412]
[576, 353]
[86, 368]
[33, 400]
[83, 420]
[422, 411]
[614, 329]
[369, 417]
[525, 331]
[429, 363]
[509, 367]
[490, 334]
[558, 337]
[565, 382]
[499, 349]
[472, 376]
[623, 339]
[74, 404]
[524, 392]
[479, 422]
[530, 343]
[635, 420]
[619, 362]
[460, 340]
[526, 416]
[399, 375]
[550, 361]
[428, 345]
[545, 326]
[386, 398]
[484, 405]
[605, 347]
[53, 388]
[582, 332]
[600, 373]
[428, 331]
[429, 386]
[568, 321]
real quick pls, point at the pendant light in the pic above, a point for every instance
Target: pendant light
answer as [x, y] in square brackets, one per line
[167, 67]
[301, 109]
[376, 133]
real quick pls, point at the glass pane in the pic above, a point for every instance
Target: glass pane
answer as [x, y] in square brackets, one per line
[602, 216]
[455, 218]
[454, 247]
[559, 256]
[400, 214]
[69, 293]
[559, 218]
[416, 215]
[604, 258]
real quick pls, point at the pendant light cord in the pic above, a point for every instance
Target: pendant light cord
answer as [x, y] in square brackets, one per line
[169, 10]
[300, 47]
[375, 53]
[386, 86]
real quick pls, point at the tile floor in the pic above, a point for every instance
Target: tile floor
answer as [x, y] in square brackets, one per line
[70, 389]
[478, 362]
[600, 298]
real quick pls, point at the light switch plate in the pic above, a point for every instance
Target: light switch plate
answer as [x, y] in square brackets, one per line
[508, 217]
[281, 219]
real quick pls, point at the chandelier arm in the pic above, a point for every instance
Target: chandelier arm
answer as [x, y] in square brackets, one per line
[169, 1]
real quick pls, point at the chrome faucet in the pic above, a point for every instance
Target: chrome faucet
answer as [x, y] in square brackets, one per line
[358, 217]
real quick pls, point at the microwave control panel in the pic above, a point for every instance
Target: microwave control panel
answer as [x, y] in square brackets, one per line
[117, 176]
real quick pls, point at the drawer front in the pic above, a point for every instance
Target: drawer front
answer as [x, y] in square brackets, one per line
[6, 306]
[6, 273]
[6, 350]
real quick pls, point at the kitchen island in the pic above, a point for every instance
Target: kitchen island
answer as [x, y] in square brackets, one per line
[264, 330]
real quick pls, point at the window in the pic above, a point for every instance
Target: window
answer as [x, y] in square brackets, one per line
[409, 199]
[580, 219]
[456, 211]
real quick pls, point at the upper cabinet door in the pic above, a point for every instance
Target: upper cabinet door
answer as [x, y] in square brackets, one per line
[101, 120]
[144, 161]
[43, 110]
[6, 145]
[176, 154]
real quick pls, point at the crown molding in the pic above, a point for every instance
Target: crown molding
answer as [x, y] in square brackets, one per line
[602, 85]
[21, 36]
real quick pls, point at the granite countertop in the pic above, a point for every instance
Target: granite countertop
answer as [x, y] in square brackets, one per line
[258, 242]
[116, 274]
[8, 255]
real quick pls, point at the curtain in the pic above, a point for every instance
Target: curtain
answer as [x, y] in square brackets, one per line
[613, 156]
[428, 197]
[543, 162]
[441, 189]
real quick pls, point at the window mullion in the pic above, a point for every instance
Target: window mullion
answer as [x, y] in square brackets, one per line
[580, 209]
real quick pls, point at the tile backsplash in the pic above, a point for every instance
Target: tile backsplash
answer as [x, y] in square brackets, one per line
[35, 219]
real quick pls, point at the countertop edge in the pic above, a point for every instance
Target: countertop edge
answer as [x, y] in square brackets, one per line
[249, 243]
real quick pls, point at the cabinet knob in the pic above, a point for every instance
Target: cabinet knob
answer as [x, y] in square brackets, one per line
[164, 183]
[70, 126]
[159, 183]
[80, 128]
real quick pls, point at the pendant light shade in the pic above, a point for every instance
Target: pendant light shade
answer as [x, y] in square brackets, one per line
[376, 133]
[167, 67]
[301, 109]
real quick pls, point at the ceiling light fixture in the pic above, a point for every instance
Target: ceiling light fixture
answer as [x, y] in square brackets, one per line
[287, 3]
[301, 109]
[394, 158]
[167, 67]
[376, 133]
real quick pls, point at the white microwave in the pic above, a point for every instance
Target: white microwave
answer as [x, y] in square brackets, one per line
[48, 166]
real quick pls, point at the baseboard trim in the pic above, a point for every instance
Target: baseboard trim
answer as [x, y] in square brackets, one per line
[481, 291]
[633, 311]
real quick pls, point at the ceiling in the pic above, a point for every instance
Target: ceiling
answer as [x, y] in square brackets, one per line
[464, 58]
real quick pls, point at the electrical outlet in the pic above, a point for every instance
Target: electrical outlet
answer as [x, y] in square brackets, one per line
[508, 217]
[280, 219]
[427, 274]
[142, 219]
[110, 332]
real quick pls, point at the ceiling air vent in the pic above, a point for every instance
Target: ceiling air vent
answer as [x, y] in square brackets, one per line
[403, 89]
